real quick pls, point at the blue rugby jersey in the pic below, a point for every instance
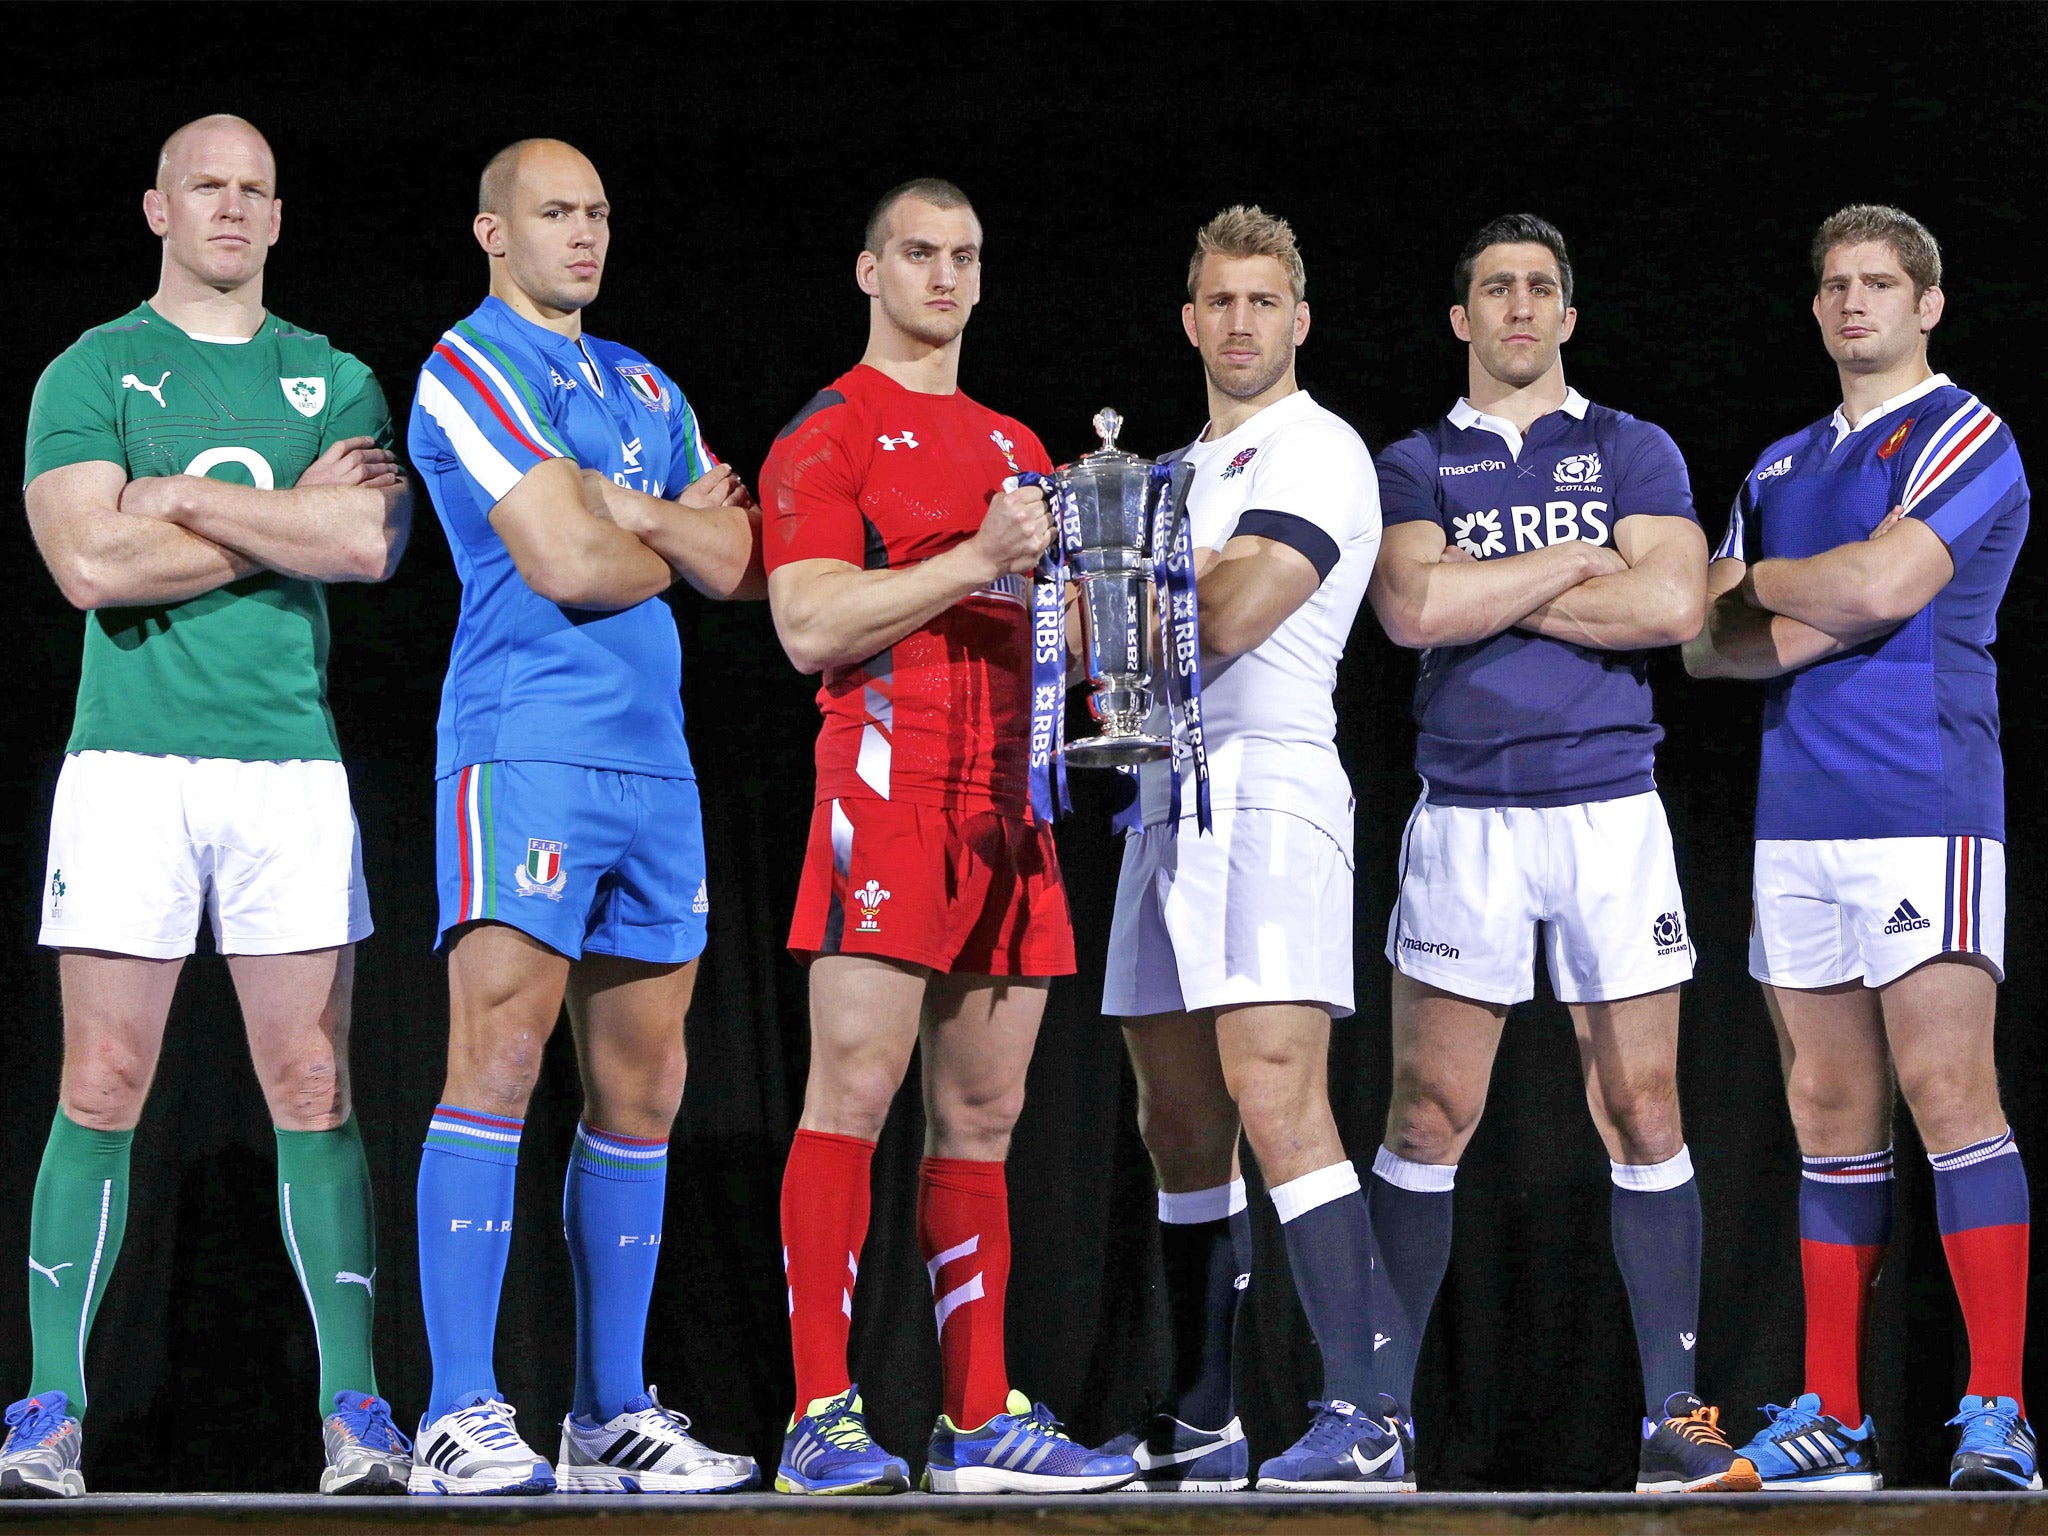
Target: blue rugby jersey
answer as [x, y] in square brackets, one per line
[530, 680]
[1522, 719]
[1899, 736]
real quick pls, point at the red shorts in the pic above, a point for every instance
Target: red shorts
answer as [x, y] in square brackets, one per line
[971, 891]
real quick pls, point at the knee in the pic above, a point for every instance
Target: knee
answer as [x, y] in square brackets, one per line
[494, 1069]
[1951, 1099]
[849, 1099]
[1427, 1122]
[1191, 1142]
[105, 1083]
[643, 1102]
[1824, 1099]
[974, 1121]
[307, 1092]
[1642, 1109]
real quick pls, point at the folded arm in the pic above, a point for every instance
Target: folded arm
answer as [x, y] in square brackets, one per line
[1659, 599]
[1246, 590]
[710, 535]
[103, 558]
[1427, 593]
[557, 528]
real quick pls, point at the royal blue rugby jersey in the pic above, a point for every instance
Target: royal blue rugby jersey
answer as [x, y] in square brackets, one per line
[1899, 736]
[1522, 719]
[530, 680]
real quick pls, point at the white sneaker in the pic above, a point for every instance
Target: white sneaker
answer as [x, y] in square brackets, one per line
[365, 1452]
[646, 1449]
[473, 1448]
[40, 1458]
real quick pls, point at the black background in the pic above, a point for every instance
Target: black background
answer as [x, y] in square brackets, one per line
[1686, 152]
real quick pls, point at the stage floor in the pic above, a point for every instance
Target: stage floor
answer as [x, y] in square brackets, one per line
[1551, 1514]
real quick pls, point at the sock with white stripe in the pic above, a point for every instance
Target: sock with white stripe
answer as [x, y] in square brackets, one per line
[1329, 1249]
[74, 1236]
[330, 1231]
[1656, 1229]
[963, 1226]
[1205, 1242]
[825, 1199]
[1981, 1200]
[612, 1202]
[1845, 1225]
[1410, 1206]
[468, 1170]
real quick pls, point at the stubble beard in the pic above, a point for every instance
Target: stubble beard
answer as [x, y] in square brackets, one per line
[1249, 386]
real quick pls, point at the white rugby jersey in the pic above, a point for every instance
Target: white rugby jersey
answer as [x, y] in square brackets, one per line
[1299, 474]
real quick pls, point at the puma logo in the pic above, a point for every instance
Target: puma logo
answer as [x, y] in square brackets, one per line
[154, 391]
[48, 1273]
[350, 1277]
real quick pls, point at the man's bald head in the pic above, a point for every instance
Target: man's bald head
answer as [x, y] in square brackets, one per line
[501, 176]
[202, 130]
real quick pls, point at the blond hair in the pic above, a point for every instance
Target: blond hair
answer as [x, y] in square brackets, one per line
[1907, 238]
[1240, 231]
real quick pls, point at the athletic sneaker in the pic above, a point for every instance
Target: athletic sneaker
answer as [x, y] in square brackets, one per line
[473, 1448]
[1346, 1450]
[1997, 1448]
[828, 1450]
[40, 1458]
[1686, 1452]
[365, 1451]
[1173, 1457]
[646, 1449]
[1020, 1451]
[1803, 1448]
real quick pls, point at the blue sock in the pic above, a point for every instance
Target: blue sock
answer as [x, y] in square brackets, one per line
[611, 1215]
[467, 1172]
[1410, 1206]
[1329, 1249]
[1205, 1259]
[1657, 1245]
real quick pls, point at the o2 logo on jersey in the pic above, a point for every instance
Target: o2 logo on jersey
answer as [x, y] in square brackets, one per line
[540, 873]
[1237, 465]
[1579, 469]
[1478, 534]
[870, 898]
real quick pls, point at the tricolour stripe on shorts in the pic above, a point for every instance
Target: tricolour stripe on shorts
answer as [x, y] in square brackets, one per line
[1961, 920]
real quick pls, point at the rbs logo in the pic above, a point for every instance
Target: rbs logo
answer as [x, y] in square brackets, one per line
[1531, 527]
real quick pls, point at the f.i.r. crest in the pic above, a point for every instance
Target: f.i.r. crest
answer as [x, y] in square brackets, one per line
[540, 873]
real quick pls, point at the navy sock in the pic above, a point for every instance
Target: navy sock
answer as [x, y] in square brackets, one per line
[611, 1216]
[468, 1169]
[1410, 1206]
[1657, 1246]
[1206, 1260]
[1329, 1249]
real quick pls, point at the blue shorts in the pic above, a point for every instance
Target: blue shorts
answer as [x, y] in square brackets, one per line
[584, 859]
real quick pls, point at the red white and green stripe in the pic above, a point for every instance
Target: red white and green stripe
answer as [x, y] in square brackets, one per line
[476, 844]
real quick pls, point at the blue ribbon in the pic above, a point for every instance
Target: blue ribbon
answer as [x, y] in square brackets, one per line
[1173, 578]
[1048, 768]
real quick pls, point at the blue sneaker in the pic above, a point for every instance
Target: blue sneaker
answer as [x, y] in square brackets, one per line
[40, 1458]
[1997, 1449]
[365, 1452]
[1173, 1457]
[1021, 1451]
[1346, 1450]
[828, 1450]
[1802, 1448]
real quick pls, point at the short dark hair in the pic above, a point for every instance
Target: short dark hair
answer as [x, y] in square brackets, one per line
[935, 190]
[1907, 238]
[1511, 229]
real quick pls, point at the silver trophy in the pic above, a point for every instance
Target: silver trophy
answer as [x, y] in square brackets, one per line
[1111, 502]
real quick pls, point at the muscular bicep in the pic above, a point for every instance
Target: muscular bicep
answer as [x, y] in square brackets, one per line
[1248, 593]
[798, 590]
[1673, 540]
[1914, 563]
[63, 506]
[1408, 554]
[542, 518]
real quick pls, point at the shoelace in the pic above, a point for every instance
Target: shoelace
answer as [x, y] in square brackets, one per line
[1332, 1430]
[1786, 1422]
[1702, 1427]
[2003, 1421]
[1040, 1418]
[490, 1423]
[845, 1430]
[370, 1424]
[34, 1420]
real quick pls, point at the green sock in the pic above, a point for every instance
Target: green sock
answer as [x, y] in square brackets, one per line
[330, 1230]
[74, 1236]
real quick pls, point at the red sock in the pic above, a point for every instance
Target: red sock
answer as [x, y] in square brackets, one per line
[1838, 1279]
[824, 1222]
[1989, 1267]
[963, 1225]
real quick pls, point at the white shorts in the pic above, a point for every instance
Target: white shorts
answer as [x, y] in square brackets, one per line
[1830, 911]
[1257, 911]
[1598, 878]
[139, 844]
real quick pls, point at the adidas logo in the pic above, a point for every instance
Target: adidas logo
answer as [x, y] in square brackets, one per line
[1906, 920]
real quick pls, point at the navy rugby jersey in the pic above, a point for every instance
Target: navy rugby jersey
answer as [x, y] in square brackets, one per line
[1899, 736]
[1522, 719]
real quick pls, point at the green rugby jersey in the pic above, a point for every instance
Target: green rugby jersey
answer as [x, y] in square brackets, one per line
[241, 671]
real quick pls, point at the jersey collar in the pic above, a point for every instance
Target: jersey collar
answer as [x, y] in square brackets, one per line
[1840, 422]
[1465, 418]
[1266, 420]
[571, 351]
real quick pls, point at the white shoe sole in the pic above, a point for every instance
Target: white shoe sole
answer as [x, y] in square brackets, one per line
[604, 1480]
[376, 1478]
[1190, 1485]
[1841, 1482]
[17, 1484]
[425, 1480]
[997, 1480]
[1311, 1485]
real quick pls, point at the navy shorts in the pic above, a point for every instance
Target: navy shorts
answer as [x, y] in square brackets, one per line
[584, 859]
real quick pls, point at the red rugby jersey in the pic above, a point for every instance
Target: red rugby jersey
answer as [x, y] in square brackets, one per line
[883, 478]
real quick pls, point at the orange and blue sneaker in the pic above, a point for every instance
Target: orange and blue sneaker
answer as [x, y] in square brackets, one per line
[40, 1458]
[1996, 1452]
[828, 1450]
[1020, 1451]
[1685, 1452]
[1803, 1449]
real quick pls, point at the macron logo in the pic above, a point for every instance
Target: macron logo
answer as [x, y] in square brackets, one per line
[1471, 469]
[1906, 920]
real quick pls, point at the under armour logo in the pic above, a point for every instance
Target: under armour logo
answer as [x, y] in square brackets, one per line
[1688, 1339]
[48, 1273]
[154, 391]
[891, 444]
[350, 1277]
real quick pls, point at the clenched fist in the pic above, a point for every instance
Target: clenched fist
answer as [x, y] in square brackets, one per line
[1016, 531]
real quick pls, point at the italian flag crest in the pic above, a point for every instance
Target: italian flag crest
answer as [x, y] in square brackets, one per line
[646, 387]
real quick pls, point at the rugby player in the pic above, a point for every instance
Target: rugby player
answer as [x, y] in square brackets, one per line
[574, 485]
[1537, 547]
[1860, 579]
[1231, 952]
[930, 909]
[198, 470]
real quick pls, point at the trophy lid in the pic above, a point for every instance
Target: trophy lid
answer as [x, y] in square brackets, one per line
[1108, 423]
